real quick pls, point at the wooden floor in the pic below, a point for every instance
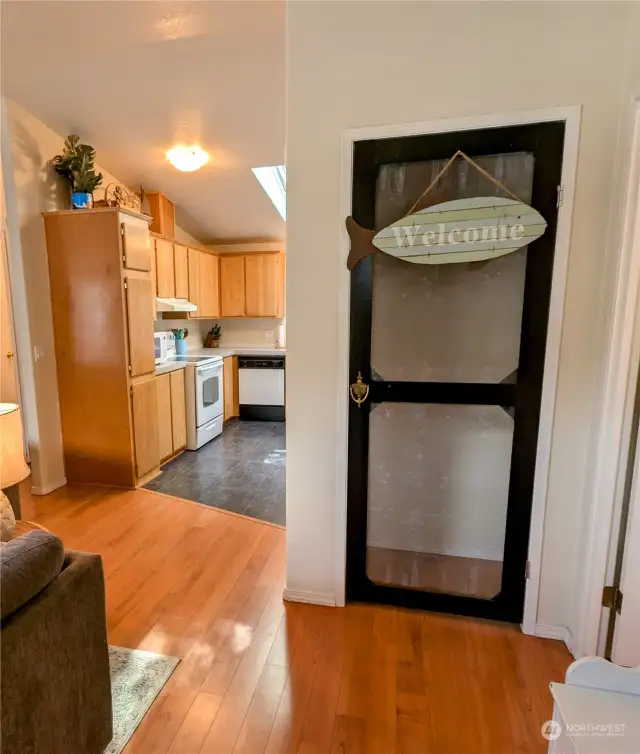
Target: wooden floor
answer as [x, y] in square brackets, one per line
[259, 675]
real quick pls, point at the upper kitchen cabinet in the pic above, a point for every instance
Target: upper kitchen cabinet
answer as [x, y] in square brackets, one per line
[252, 285]
[163, 212]
[209, 273]
[165, 272]
[102, 307]
[181, 270]
[137, 249]
[264, 285]
[232, 285]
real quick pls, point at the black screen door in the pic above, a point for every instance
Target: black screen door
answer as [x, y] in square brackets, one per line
[442, 454]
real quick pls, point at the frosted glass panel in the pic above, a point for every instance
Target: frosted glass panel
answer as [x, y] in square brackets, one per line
[438, 493]
[455, 322]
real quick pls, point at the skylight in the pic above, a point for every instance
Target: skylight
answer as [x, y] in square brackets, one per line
[274, 181]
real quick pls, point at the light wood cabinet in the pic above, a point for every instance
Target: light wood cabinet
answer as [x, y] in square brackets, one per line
[181, 270]
[145, 425]
[140, 299]
[165, 428]
[232, 285]
[165, 274]
[136, 244]
[102, 307]
[178, 410]
[193, 270]
[208, 285]
[171, 410]
[263, 285]
[163, 213]
[230, 387]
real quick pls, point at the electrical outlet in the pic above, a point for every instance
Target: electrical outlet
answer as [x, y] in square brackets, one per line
[269, 335]
[38, 353]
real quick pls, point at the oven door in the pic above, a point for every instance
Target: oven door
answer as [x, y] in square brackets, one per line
[209, 398]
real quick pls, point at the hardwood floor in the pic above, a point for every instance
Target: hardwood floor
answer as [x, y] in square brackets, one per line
[262, 676]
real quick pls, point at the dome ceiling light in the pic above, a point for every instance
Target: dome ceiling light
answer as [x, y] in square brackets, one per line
[186, 158]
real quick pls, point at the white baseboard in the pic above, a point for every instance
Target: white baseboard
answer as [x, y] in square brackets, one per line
[312, 598]
[48, 487]
[560, 633]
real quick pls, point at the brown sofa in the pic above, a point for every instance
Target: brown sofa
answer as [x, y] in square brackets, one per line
[54, 659]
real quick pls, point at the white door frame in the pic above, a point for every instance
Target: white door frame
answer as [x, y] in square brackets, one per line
[572, 117]
[601, 529]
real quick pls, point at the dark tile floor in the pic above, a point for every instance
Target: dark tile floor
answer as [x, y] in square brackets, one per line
[242, 471]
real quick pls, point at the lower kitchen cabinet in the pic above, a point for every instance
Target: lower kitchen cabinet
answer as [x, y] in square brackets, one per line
[145, 425]
[230, 387]
[165, 429]
[178, 410]
[171, 410]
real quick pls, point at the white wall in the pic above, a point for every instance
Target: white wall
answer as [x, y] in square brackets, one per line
[31, 188]
[373, 63]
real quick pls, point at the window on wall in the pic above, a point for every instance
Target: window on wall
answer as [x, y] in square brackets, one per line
[273, 180]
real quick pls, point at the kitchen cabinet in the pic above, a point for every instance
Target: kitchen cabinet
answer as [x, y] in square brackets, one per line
[139, 300]
[193, 271]
[181, 270]
[145, 425]
[230, 387]
[232, 285]
[102, 306]
[263, 285]
[171, 408]
[136, 244]
[208, 285]
[163, 214]
[178, 410]
[165, 274]
[165, 425]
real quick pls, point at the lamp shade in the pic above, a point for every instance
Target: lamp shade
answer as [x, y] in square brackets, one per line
[13, 468]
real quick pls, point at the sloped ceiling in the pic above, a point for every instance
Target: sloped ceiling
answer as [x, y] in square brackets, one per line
[134, 78]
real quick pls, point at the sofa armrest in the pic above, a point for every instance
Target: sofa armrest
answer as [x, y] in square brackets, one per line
[27, 565]
[55, 681]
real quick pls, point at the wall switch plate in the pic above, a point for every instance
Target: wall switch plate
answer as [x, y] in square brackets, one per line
[269, 335]
[38, 353]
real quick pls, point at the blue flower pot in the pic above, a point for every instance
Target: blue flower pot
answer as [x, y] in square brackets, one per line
[81, 200]
[181, 346]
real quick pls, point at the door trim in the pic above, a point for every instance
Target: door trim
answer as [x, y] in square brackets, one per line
[572, 117]
[603, 514]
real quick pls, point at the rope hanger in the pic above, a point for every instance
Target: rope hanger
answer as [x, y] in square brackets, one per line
[471, 162]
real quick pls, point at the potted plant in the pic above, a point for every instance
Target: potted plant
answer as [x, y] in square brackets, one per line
[77, 165]
[180, 334]
[213, 337]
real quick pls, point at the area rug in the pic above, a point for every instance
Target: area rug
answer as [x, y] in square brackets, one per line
[137, 678]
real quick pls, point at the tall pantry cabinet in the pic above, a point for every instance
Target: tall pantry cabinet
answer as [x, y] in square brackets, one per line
[103, 304]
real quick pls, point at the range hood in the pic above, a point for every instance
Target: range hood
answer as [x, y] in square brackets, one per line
[175, 305]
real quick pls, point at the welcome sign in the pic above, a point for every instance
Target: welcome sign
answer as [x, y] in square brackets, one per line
[463, 230]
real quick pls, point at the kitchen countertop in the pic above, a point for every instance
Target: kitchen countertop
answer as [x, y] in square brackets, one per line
[172, 366]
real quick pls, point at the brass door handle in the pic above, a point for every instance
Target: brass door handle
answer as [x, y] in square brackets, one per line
[9, 354]
[359, 390]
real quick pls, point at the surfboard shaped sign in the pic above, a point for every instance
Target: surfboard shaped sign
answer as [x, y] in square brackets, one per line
[463, 230]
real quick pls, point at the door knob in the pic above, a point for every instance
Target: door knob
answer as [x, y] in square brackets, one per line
[359, 390]
[9, 354]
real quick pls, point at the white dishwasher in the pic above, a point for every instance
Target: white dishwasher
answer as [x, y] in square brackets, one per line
[261, 388]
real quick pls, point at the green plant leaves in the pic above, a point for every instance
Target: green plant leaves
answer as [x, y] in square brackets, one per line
[76, 164]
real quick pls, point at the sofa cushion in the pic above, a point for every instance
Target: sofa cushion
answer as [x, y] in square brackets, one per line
[27, 565]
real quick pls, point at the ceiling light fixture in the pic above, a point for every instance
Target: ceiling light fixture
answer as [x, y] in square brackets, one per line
[187, 159]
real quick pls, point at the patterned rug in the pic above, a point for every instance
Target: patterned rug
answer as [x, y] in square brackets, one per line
[137, 677]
